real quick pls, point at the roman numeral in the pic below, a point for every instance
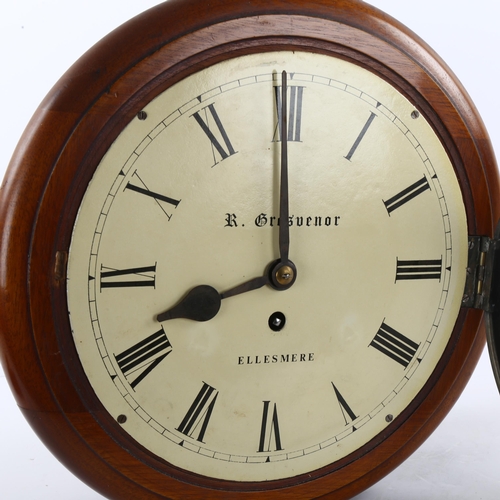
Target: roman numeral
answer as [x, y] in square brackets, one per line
[160, 199]
[294, 118]
[394, 345]
[126, 278]
[344, 407]
[269, 429]
[418, 269]
[198, 415]
[361, 135]
[142, 358]
[207, 122]
[152, 194]
[407, 195]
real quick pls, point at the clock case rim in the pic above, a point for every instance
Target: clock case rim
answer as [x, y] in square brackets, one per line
[37, 373]
[68, 349]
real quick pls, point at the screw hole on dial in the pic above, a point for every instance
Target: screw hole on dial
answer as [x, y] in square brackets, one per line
[142, 115]
[277, 321]
[389, 418]
[415, 114]
[121, 419]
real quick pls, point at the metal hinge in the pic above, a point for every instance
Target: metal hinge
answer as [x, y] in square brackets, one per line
[477, 292]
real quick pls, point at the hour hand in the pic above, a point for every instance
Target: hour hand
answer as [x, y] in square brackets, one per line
[203, 302]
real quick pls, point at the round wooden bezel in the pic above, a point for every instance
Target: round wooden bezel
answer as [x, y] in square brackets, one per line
[63, 145]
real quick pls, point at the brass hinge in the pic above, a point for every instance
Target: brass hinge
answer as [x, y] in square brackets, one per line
[477, 292]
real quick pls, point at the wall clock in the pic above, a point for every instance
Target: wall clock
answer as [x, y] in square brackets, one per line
[324, 350]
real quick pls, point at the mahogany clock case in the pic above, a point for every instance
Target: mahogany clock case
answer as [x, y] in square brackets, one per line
[492, 128]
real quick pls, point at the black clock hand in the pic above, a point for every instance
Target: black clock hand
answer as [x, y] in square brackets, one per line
[284, 228]
[203, 302]
[248, 286]
[283, 272]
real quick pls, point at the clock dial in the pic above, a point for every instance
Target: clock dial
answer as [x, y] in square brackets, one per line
[189, 195]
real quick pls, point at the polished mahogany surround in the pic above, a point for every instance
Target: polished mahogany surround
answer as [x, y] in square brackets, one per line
[63, 145]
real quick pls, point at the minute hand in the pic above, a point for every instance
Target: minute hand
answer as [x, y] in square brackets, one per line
[284, 229]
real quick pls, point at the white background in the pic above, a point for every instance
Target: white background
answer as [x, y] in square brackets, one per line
[40, 39]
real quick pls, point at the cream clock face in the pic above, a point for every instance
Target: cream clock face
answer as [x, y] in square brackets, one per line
[278, 383]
